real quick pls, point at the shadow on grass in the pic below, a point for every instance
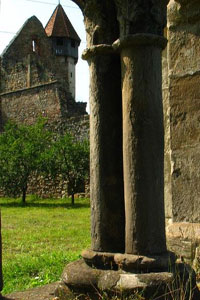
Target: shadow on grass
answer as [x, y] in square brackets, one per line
[41, 204]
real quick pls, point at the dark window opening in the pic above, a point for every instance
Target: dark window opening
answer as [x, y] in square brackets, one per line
[73, 43]
[59, 41]
[71, 74]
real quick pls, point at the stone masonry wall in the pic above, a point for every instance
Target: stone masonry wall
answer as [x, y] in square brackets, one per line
[182, 112]
[26, 105]
[181, 98]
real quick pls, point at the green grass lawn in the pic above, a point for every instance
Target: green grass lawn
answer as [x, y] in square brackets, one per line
[40, 238]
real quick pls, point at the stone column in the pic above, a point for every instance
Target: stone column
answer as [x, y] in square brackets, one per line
[143, 143]
[106, 176]
[106, 179]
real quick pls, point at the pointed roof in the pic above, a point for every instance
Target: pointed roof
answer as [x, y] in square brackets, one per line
[60, 26]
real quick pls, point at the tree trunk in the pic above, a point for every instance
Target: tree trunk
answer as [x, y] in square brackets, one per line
[24, 194]
[72, 202]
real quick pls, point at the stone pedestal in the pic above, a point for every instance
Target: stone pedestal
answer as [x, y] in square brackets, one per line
[81, 280]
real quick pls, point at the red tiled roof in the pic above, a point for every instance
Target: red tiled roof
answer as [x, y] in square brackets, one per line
[60, 26]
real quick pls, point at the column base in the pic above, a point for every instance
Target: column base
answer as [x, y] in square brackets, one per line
[85, 281]
[129, 262]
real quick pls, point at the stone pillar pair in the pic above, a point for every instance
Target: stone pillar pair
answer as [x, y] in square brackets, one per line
[142, 119]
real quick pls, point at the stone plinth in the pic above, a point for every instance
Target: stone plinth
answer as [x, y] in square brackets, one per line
[79, 279]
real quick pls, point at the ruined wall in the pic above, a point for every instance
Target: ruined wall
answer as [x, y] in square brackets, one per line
[33, 82]
[183, 111]
[26, 105]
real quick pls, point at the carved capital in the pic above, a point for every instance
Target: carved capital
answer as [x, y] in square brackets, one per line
[100, 20]
[138, 16]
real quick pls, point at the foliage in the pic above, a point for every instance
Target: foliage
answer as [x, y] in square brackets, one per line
[20, 155]
[68, 159]
[39, 239]
[27, 150]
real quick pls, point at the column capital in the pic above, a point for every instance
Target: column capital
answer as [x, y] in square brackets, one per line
[140, 39]
[141, 16]
[102, 49]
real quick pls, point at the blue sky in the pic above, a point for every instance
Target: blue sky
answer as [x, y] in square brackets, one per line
[13, 14]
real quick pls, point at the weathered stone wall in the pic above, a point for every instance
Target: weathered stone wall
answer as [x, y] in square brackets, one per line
[181, 99]
[182, 112]
[26, 105]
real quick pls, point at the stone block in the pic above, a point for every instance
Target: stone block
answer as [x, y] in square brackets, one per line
[184, 238]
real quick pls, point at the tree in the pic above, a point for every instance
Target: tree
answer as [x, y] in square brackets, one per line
[20, 155]
[68, 159]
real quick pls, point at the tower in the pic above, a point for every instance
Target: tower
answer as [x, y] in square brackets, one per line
[65, 43]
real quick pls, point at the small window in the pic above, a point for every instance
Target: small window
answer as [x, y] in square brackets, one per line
[71, 74]
[73, 43]
[59, 41]
[35, 47]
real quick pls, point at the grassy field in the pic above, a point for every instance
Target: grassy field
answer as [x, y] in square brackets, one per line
[40, 238]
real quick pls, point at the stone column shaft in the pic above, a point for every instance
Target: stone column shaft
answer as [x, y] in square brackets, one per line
[143, 143]
[106, 167]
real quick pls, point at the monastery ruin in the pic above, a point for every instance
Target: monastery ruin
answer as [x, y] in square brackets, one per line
[144, 176]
